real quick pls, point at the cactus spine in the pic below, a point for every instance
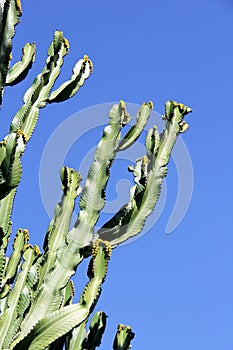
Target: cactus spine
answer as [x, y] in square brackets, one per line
[36, 289]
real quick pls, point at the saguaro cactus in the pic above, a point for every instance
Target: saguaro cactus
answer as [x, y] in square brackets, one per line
[36, 289]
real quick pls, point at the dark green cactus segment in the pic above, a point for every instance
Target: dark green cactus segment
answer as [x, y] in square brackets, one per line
[70, 180]
[11, 168]
[60, 224]
[173, 108]
[6, 205]
[44, 330]
[96, 331]
[123, 338]
[152, 142]
[93, 196]
[11, 12]
[2, 154]
[68, 293]
[97, 271]
[12, 267]
[76, 338]
[20, 69]
[81, 72]
[18, 301]
[136, 130]
[37, 95]
[148, 176]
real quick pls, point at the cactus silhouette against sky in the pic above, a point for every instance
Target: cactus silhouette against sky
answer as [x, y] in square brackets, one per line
[36, 289]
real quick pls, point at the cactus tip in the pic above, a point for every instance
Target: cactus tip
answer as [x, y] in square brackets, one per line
[26, 247]
[183, 126]
[72, 287]
[151, 104]
[26, 235]
[66, 43]
[37, 250]
[122, 104]
[19, 7]
[90, 65]
[85, 58]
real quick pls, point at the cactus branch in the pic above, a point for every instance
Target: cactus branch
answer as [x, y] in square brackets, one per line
[148, 176]
[81, 72]
[93, 196]
[10, 14]
[136, 130]
[18, 301]
[58, 323]
[20, 69]
[59, 226]
[123, 338]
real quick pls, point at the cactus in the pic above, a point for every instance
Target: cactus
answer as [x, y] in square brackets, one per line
[36, 288]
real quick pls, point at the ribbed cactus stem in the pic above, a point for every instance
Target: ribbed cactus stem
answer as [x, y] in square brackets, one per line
[148, 176]
[59, 226]
[11, 12]
[93, 196]
[123, 338]
[38, 334]
[18, 301]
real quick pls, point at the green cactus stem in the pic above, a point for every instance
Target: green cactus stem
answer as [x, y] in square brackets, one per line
[18, 300]
[12, 267]
[53, 325]
[20, 69]
[123, 338]
[93, 196]
[11, 12]
[149, 172]
[59, 226]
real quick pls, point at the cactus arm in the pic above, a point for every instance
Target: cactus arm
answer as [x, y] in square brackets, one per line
[152, 142]
[49, 296]
[81, 72]
[20, 69]
[37, 95]
[96, 331]
[79, 339]
[123, 338]
[6, 205]
[11, 12]
[17, 301]
[76, 337]
[11, 167]
[59, 226]
[59, 323]
[68, 293]
[22, 127]
[136, 130]
[93, 196]
[149, 173]
[21, 239]
[2, 153]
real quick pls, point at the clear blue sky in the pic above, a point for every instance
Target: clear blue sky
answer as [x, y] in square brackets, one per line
[174, 290]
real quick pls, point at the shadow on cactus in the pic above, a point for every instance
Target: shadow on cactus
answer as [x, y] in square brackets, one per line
[36, 289]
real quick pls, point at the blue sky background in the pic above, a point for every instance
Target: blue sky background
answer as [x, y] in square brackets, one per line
[174, 290]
